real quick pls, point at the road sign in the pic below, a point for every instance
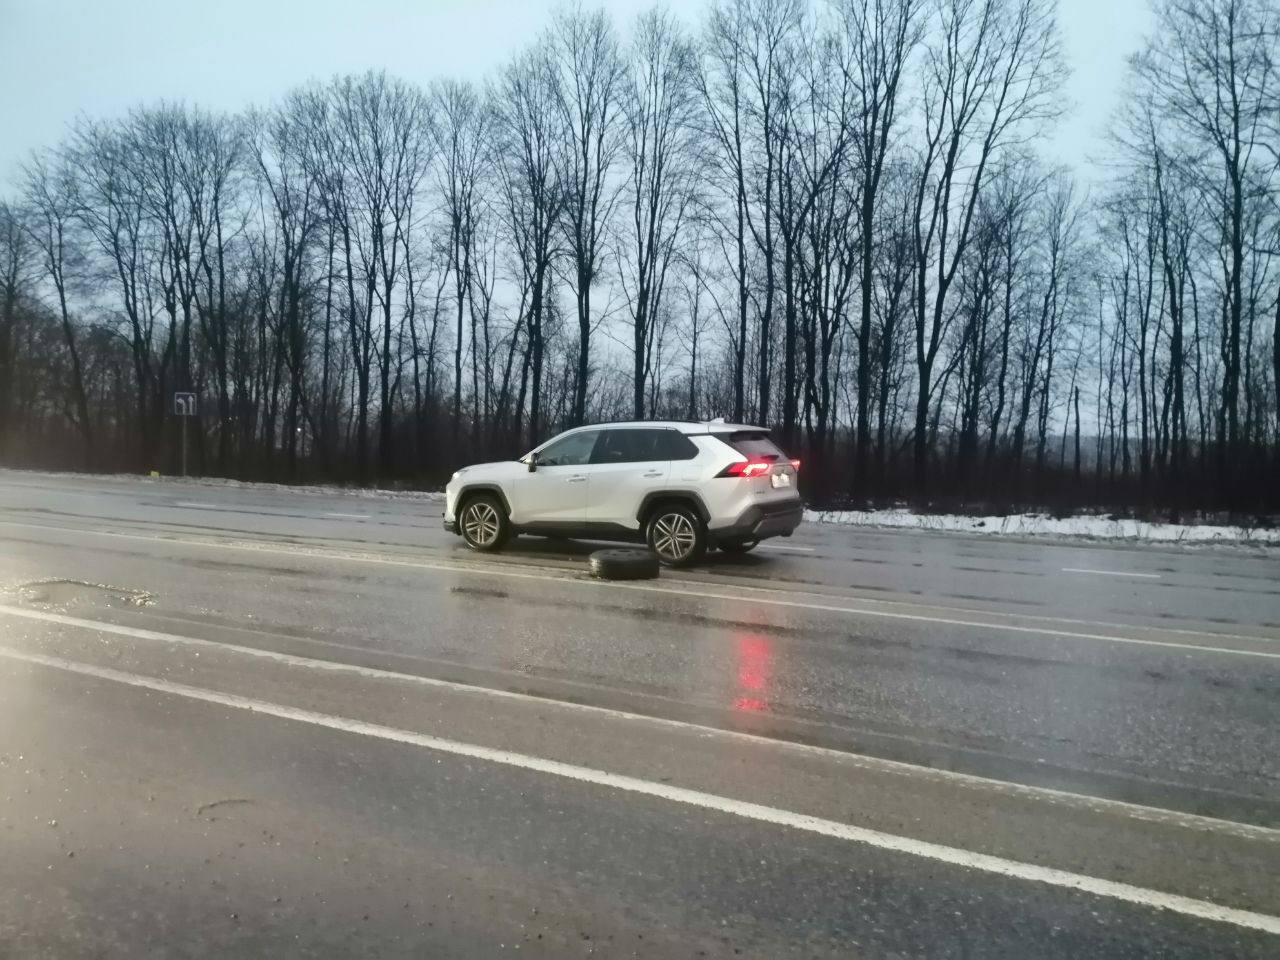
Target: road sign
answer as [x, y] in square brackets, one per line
[184, 406]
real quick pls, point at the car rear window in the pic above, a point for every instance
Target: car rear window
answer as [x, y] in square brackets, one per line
[753, 444]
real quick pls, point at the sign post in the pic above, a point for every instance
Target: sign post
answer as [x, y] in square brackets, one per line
[184, 407]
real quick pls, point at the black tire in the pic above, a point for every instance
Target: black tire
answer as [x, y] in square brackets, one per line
[623, 564]
[676, 534]
[483, 523]
[739, 547]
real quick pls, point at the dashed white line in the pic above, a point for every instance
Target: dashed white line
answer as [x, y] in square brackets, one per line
[348, 516]
[955, 856]
[784, 547]
[1112, 573]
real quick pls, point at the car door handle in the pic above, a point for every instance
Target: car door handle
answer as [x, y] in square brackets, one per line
[652, 474]
[577, 479]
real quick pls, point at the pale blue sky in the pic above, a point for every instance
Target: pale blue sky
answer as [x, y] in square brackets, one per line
[59, 58]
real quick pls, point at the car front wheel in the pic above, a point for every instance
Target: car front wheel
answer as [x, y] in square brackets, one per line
[483, 523]
[676, 534]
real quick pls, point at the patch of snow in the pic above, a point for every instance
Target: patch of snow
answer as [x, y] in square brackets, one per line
[1041, 525]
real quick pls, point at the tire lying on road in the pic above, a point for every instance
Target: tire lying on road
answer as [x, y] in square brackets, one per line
[623, 564]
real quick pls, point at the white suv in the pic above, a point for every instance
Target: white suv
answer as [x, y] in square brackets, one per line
[680, 487]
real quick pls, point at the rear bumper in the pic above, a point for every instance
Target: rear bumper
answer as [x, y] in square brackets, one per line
[761, 521]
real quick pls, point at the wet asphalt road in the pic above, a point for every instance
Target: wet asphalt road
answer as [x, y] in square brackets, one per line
[261, 722]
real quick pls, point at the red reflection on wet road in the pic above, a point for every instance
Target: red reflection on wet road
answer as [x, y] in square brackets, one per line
[755, 670]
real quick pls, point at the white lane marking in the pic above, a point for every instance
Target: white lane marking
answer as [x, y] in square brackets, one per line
[571, 578]
[1096, 886]
[917, 617]
[1112, 573]
[1133, 810]
[1041, 618]
[348, 516]
[786, 548]
[200, 506]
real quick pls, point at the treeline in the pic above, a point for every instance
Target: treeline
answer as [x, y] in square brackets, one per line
[837, 218]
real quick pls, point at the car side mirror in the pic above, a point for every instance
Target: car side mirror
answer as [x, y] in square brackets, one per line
[533, 462]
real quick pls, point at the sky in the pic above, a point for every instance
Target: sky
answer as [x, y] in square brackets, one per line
[63, 58]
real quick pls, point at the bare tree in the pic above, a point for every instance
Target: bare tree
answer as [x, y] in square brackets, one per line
[213, 163]
[592, 80]
[279, 142]
[463, 133]
[992, 69]
[15, 267]
[371, 147]
[816, 199]
[1210, 72]
[832, 215]
[880, 38]
[723, 85]
[112, 208]
[743, 83]
[661, 136]
[50, 194]
[528, 138]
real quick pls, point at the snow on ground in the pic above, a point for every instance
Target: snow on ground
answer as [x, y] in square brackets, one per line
[1042, 525]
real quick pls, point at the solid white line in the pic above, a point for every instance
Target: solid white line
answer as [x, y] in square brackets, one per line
[1036, 617]
[1042, 794]
[1112, 573]
[1095, 886]
[571, 578]
[348, 516]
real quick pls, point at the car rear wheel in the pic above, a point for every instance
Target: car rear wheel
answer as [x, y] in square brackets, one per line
[483, 523]
[676, 534]
[739, 546]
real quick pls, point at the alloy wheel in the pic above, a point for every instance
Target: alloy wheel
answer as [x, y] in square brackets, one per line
[674, 537]
[481, 523]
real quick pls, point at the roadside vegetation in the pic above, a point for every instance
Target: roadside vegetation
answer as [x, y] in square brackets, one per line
[840, 219]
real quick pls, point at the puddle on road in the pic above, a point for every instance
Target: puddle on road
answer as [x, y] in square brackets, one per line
[72, 594]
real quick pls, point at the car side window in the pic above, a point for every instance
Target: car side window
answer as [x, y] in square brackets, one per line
[571, 451]
[638, 445]
[630, 446]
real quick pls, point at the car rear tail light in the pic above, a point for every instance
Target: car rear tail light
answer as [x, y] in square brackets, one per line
[749, 469]
[795, 465]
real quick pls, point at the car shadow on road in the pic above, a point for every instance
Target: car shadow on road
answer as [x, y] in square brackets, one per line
[532, 546]
[562, 548]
